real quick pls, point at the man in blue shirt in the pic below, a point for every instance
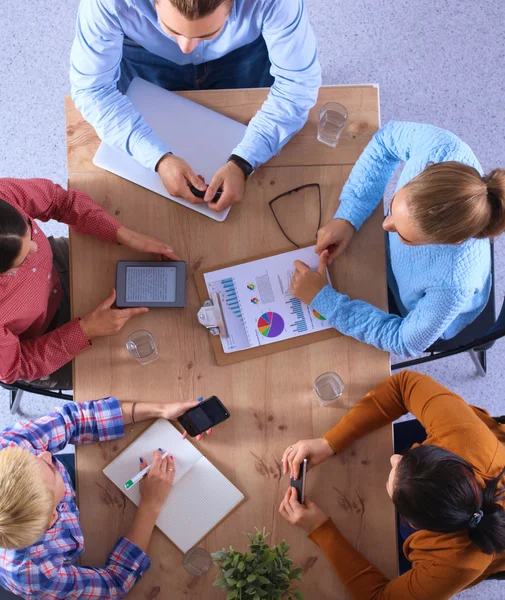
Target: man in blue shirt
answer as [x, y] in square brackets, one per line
[195, 44]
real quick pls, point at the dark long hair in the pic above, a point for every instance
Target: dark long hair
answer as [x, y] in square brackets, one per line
[13, 228]
[436, 490]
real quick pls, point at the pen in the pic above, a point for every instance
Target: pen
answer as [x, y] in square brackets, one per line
[131, 482]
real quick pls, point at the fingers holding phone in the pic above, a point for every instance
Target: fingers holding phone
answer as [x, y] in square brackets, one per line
[308, 516]
[318, 450]
[203, 417]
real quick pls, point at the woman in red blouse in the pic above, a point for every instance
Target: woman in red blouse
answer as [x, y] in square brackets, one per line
[37, 336]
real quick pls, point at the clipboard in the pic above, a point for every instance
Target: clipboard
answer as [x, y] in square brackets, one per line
[222, 358]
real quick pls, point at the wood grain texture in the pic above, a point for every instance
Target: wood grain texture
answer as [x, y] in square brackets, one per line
[241, 105]
[270, 398]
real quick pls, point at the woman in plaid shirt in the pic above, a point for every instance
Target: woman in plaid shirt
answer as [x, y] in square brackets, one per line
[40, 536]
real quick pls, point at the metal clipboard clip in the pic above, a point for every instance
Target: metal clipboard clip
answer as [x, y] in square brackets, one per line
[211, 316]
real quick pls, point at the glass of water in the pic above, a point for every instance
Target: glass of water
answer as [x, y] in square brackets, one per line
[328, 387]
[332, 120]
[142, 346]
[197, 561]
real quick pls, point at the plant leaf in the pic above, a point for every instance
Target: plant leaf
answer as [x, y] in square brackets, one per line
[232, 595]
[219, 582]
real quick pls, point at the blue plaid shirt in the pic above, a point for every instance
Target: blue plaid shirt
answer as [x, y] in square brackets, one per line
[47, 570]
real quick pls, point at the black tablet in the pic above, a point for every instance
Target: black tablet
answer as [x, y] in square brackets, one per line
[157, 284]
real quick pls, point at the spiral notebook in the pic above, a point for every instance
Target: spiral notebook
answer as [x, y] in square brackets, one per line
[201, 496]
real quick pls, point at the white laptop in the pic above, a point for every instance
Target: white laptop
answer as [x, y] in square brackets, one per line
[203, 138]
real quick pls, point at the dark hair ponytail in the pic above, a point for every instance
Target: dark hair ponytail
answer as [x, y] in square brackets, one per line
[435, 489]
[488, 534]
[13, 228]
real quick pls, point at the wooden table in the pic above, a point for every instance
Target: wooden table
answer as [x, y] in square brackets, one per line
[270, 398]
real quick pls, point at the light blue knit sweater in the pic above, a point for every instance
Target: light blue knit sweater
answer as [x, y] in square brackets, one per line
[442, 287]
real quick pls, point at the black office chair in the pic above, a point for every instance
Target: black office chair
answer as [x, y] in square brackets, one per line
[476, 338]
[18, 389]
[5, 595]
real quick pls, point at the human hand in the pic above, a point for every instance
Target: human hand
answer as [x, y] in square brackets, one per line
[104, 320]
[305, 283]
[308, 516]
[156, 485]
[334, 237]
[231, 180]
[317, 451]
[177, 409]
[177, 176]
[144, 243]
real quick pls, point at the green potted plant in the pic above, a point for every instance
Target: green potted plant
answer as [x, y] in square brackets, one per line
[264, 573]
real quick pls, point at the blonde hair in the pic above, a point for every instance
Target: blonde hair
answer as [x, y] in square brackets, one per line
[26, 501]
[450, 203]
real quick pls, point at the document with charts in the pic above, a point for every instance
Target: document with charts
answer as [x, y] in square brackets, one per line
[258, 307]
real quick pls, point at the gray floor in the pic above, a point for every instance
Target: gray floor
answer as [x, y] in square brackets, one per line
[438, 62]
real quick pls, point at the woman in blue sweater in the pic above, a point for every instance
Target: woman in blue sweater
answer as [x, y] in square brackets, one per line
[438, 228]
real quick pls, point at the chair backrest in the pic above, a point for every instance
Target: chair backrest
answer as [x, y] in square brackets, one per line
[34, 389]
[495, 332]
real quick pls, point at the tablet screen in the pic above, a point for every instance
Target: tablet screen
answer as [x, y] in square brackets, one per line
[150, 284]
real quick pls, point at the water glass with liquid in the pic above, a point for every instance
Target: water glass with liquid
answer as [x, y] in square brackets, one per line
[328, 387]
[332, 120]
[197, 561]
[142, 346]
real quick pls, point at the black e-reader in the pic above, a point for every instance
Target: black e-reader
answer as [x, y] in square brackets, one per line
[153, 284]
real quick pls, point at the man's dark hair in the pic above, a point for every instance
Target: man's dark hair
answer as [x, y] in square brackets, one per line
[13, 228]
[197, 9]
[435, 489]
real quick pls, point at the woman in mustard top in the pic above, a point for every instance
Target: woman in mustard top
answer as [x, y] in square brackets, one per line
[448, 492]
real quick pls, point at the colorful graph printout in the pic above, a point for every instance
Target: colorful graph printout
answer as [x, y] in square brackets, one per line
[271, 325]
[258, 307]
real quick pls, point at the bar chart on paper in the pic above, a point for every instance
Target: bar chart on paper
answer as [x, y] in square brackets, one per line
[231, 297]
[237, 339]
[258, 307]
[300, 323]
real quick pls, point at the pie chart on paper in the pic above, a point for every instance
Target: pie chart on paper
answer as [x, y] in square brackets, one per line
[270, 324]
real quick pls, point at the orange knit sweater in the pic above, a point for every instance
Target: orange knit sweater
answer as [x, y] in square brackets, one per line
[442, 564]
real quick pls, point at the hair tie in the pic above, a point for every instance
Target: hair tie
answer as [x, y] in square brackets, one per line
[476, 519]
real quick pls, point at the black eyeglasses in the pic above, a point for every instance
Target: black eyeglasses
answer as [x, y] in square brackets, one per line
[289, 193]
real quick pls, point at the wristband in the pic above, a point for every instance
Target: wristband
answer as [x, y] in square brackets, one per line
[246, 168]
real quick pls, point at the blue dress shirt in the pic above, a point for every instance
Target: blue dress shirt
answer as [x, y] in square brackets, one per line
[96, 59]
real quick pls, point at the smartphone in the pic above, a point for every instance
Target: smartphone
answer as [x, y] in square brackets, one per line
[199, 194]
[207, 414]
[299, 483]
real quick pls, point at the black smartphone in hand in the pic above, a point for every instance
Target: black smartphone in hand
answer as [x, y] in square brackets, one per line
[299, 484]
[199, 194]
[207, 414]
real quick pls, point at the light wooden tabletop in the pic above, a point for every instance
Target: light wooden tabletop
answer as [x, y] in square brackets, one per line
[270, 398]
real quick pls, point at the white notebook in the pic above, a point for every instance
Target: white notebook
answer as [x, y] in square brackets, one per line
[201, 496]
